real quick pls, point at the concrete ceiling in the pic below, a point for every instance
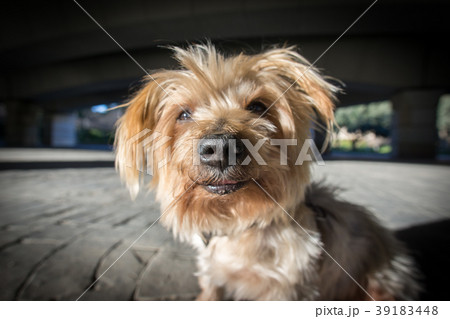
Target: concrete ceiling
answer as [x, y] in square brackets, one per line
[53, 54]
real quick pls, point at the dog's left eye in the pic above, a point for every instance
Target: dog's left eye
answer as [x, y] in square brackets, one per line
[257, 107]
[184, 116]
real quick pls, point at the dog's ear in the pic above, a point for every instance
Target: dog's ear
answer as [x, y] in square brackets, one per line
[137, 124]
[298, 78]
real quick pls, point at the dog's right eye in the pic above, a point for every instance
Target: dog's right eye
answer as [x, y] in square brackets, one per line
[184, 116]
[257, 107]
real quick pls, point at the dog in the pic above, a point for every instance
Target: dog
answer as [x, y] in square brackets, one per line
[262, 229]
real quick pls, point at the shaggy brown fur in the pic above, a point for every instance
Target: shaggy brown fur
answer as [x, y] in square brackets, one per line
[269, 241]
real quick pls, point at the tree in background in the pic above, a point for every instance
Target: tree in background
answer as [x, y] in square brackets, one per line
[96, 124]
[375, 117]
[364, 127]
[443, 124]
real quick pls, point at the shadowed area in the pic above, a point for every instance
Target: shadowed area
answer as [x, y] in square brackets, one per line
[429, 244]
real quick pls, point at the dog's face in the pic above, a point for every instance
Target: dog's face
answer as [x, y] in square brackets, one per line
[211, 129]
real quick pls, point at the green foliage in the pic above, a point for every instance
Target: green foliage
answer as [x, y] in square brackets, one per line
[376, 117]
[360, 147]
[385, 149]
[94, 136]
[443, 125]
[362, 119]
[443, 113]
[344, 146]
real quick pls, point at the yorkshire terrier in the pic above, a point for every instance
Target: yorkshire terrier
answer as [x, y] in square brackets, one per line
[263, 230]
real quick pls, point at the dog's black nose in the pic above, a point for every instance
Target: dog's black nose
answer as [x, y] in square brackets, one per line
[221, 150]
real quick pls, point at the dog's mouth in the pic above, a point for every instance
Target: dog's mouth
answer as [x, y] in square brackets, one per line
[224, 187]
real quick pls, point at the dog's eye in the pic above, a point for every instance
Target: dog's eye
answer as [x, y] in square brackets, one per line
[257, 107]
[184, 116]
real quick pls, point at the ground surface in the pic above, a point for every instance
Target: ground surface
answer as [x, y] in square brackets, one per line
[61, 229]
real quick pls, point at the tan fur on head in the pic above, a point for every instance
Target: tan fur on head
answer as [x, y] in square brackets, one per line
[257, 252]
[217, 88]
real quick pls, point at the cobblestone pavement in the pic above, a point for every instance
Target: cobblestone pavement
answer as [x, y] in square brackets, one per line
[60, 229]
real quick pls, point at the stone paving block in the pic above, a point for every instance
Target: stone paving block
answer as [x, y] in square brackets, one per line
[57, 232]
[22, 211]
[69, 271]
[62, 227]
[16, 263]
[37, 233]
[82, 216]
[399, 194]
[121, 276]
[143, 255]
[180, 248]
[8, 237]
[130, 216]
[169, 276]
[154, 238]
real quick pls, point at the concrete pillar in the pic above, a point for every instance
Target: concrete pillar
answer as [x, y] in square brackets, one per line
[414, 133]
[46, 130]
[22, 124]
[64, 130]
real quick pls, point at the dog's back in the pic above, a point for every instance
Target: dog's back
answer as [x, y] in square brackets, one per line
[360, 250]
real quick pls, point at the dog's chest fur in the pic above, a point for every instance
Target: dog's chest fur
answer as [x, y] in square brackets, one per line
[262, 264]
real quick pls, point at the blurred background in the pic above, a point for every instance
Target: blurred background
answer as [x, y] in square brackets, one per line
[60, 71]
[64, 215]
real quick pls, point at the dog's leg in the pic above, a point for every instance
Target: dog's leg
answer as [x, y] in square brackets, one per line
[395, 281]
[209, 291]
[377, 293]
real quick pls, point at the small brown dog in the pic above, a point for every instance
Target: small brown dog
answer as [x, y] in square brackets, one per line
[263, 230]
